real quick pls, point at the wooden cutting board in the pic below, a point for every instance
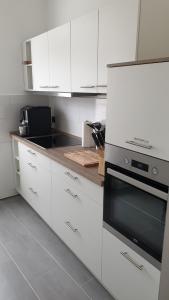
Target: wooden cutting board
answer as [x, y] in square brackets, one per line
[85, 158]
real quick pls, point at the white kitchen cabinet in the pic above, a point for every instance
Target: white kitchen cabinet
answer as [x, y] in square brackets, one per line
[138, 107]
[40, 62]
[125, 274]
[77, 218]
[84, 45]
[118, 30]
[59, 58]
[35, 181]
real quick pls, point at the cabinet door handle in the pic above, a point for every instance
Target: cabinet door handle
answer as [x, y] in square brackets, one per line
[88, 87]
[33, 192]
[140, 143]
[131, 260]
[67, 173]
[31, 152]
[75, 196]
[70, 226]
[32, 166]
[44, 87]
[101, 86]
[54, 87]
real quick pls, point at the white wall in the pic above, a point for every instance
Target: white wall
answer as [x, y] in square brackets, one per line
[70, 113]
[61, 11]
[19, 20]
[154, 29]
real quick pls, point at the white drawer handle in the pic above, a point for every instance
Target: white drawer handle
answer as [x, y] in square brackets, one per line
[140, 143]
[75, 196]
[70, 226]
[33, 192]
[130, 259]
[67, 173]
[31, 152]
[32, 166]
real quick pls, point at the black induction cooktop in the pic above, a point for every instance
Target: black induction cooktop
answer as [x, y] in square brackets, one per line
[55, 140]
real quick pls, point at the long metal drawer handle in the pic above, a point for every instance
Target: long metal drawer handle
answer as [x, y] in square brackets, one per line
[75, 196]
[31, 189]
[69, 225]
[101, 86]
[140, 143]
[31, 152]
[130, 259]
[88, 87]
[44, 87]
[32, 166]
[54, 87]
[67, 173]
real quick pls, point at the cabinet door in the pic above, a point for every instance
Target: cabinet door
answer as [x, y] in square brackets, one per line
[59, 58]
[118, 29]
[84, 44]
[125, 274]
[138, 108]
[40, 62]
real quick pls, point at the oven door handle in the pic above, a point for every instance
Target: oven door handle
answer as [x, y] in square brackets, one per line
[139, 184]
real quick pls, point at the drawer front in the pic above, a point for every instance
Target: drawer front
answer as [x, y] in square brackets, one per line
[34, 157]
[125, 274]
[78, 221]
[92, 190]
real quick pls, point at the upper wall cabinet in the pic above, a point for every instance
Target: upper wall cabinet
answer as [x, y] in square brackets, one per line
[118, 29]
[40, 62]
[59, 58]
[84, 45]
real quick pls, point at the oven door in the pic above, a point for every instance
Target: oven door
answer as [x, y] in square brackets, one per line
[135, 207]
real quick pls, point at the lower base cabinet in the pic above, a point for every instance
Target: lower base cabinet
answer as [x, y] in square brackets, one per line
[122, 277]
[77, 219]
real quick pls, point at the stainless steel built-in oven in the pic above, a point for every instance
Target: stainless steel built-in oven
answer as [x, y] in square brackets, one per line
[135, 200]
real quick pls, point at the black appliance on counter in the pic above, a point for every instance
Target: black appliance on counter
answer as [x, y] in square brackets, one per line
[56, 140]
[135, 200]
[35, 120]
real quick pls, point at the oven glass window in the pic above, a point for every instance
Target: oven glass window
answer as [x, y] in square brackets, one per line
[136, 214]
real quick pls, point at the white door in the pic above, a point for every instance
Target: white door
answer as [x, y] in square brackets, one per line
[118, 29]
[137, 111]
[84, 44]
[125, 274]
[59, 58]
[40, 62]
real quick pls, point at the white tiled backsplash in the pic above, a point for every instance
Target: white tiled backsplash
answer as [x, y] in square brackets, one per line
[70, 113]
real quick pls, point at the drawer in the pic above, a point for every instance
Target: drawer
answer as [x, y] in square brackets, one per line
[127, 275]
[92, 190]
[78, 221]
[36, 189]
[35, 158]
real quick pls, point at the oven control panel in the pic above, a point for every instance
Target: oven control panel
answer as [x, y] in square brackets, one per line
[141, 164]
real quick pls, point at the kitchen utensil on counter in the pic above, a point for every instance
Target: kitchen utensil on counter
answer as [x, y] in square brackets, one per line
[85, 158]
[87, 140]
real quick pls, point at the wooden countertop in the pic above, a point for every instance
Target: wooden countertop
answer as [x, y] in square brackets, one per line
[57, 154]
[139, 62]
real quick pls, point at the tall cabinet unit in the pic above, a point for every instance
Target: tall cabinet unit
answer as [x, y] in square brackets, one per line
[59, 58]
[40, 62]
[118, 30]
[84, 44]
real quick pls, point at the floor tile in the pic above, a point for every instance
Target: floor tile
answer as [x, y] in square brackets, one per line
[49, 240]
[56, 285]
[96, 291]
[12, 284]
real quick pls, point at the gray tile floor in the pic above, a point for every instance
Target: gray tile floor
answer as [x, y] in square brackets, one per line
[35, 263]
